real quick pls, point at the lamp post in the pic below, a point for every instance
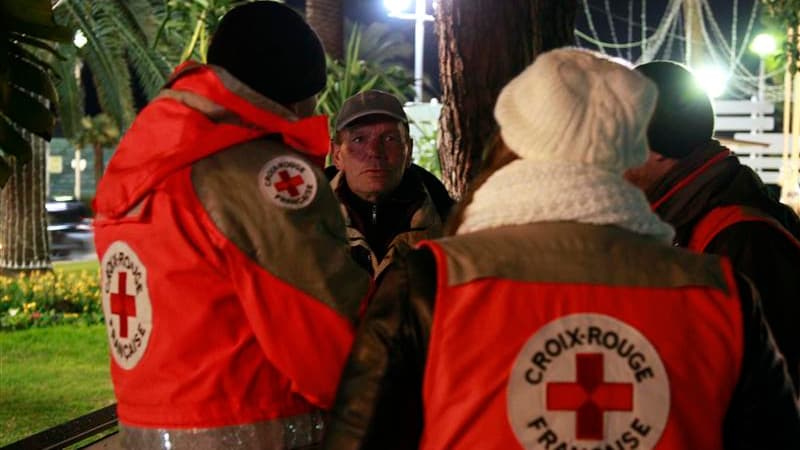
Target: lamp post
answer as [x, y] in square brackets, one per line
[763, 45]
[419, 16]
[78, 163]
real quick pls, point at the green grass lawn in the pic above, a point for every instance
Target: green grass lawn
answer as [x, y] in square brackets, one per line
[51, 375]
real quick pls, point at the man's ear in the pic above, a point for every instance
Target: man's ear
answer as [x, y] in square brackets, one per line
[658, 157]
[409, 147]
[336, 154]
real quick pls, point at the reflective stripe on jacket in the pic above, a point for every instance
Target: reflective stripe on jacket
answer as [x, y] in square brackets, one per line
[722, 217]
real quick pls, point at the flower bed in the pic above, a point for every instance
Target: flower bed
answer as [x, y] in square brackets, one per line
[43, 299]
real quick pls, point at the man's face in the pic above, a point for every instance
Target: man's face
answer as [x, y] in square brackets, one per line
[373, 154]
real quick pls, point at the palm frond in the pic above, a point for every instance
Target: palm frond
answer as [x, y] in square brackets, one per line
[114, 90]
[352, 75]
[18, 51]
[37, 43]
[32, 18]
[30, 77]
[145, 15]
[149, 66]
[104, 54]
[382, 45]
[26, 90]
[70, 92]
[13, 143]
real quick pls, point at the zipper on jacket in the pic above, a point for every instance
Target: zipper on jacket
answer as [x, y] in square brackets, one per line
[374, 213]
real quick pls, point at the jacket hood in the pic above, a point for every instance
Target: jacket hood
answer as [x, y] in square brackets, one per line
[201, 111]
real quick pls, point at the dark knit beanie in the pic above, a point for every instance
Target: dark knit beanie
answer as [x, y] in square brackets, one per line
[684, 118]
[269, 47]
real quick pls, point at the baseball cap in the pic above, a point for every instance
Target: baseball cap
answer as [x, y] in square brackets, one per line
[368, 103]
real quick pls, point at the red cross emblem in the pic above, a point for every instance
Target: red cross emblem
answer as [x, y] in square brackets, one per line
[590, 396]
[288, 183]
[123, 304]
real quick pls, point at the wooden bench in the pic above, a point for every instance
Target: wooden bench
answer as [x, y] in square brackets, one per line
[763, 152]
[753, 140]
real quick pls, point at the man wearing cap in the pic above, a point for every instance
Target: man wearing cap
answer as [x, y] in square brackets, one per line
[388, 204]
[717, 205]
[228, 290]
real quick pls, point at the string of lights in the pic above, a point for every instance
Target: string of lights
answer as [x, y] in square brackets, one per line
[672, 32]
[734, 26]
[630, 28]
[650, 45]
[592, 29]
[671, 13]
[740, 80]
[611, 26]
[644, 25]
[720, 36]
[659, 41]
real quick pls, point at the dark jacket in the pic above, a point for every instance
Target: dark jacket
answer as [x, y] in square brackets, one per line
[758, 250]
[378, 232]
[379, 403]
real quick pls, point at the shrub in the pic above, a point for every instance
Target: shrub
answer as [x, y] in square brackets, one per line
[48, 298]
[352, 74]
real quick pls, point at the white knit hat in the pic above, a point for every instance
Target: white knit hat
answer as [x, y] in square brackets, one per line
[577, 120]
[578, 106]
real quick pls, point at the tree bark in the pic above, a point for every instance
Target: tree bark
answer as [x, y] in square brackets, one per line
[24, 244]
[325, 17]
[553, 24]
[483, 44]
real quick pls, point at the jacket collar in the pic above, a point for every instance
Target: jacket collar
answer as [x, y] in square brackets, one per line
[410, 194]
[688, 190]
[425, 222]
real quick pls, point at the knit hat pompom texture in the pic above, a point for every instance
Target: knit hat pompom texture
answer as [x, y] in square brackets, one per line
[270, 47]
[576, 106]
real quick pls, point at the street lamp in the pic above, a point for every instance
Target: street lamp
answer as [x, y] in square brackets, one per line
[78, 163]
[763, 45]
[712, 80]
[397, 10]
[80, 39]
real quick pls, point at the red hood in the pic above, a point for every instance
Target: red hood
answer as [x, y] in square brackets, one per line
[168, 136]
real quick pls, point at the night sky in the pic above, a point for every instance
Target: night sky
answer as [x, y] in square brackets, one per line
[368, 11]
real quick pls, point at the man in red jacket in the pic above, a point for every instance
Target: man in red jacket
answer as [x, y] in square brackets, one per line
[717, 205]
[227, 286]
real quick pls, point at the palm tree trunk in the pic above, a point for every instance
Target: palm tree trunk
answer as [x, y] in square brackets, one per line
[325, 17]
[483, 44]
[24, 244]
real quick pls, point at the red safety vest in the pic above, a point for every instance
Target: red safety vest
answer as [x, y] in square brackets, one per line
[202, 336]
[554, 365]
[720, 218]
